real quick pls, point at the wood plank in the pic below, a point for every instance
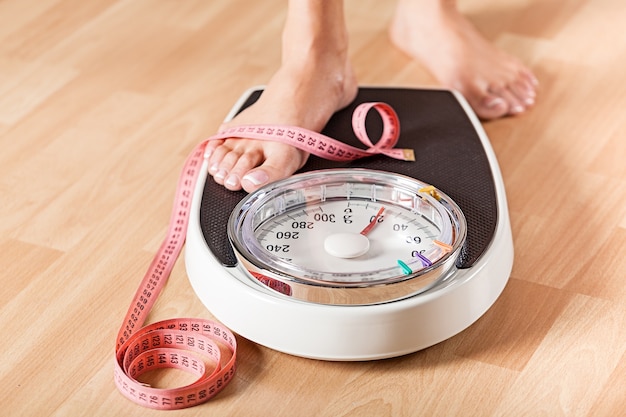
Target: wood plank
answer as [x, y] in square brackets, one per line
[101, 101]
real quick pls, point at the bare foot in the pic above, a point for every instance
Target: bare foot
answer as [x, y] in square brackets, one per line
[494, 83]
[314, 81]
[291, 98]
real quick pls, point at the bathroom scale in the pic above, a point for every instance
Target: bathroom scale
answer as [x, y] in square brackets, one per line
[366, 259]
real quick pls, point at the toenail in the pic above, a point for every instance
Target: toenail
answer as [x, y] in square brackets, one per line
[221, 174]
[529, 101]
[213, 168]
[496, 102]
[517, 109]
[231, 181]
[256, 177]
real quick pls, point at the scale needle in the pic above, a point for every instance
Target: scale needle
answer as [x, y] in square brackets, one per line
[370, 226]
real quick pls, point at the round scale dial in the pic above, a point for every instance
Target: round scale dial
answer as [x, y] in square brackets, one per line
[347, 236]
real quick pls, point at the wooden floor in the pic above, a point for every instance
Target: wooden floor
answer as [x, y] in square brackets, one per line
[100, 102]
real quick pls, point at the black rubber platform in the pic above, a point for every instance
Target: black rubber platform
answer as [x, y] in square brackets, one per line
[449, 155]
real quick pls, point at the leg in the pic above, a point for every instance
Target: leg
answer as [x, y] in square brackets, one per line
[434, 32]
[315, 79]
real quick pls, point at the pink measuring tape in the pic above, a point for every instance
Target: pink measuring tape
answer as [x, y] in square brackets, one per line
[328, 148]
[196, 345]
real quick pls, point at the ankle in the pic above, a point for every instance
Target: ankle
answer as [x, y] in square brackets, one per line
[421, 15]
[315, 30]
[314, 46]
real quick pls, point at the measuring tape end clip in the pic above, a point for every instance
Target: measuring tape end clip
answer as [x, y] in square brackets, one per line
[409, 155]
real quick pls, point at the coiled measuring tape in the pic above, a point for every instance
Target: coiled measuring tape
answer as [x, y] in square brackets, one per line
[195, 345]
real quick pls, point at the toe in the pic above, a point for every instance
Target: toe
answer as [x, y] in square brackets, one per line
[264, 174]
[530, 78]
[242, 166]
[232, 182]
[489, 106]
[280, 162]
[524, 92]
[221, 165]
[216, 156]
[516, 106]
[211, 146]
[255, 179]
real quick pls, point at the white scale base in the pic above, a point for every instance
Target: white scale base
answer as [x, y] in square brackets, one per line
[352, 333]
